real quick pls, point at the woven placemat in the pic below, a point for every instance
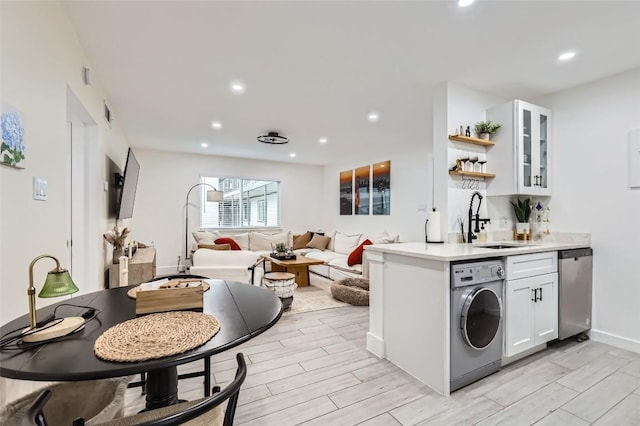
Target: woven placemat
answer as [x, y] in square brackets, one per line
[156, 336]
[132, 292]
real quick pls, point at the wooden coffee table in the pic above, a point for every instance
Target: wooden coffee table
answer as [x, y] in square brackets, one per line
[298, 266]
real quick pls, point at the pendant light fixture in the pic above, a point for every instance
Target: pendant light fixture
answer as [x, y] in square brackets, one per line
[273, 138]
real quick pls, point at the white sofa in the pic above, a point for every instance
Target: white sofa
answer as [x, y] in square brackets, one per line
[236, 265]
[335, 255]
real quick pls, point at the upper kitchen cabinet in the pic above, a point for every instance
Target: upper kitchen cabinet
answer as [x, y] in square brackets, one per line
[521, 155]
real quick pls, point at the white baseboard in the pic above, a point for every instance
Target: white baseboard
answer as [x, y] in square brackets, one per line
[375, 345]
[615, 340]
[166, 270]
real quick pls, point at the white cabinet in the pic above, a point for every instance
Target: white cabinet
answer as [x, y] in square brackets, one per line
[522, 155]
[531, 302]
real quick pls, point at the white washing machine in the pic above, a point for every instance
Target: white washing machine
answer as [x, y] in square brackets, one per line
[476, 320]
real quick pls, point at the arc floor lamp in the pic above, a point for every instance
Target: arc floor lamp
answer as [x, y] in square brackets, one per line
[213, 195]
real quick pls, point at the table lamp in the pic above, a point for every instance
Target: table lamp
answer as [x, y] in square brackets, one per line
[213, 195]
[58, 283]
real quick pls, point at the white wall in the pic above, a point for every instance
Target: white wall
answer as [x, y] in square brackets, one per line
[410, 190]
[41, 58]
[591, 194]
[165, 178]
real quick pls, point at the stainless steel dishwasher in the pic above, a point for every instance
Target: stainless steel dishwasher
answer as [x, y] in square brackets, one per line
[575, 270]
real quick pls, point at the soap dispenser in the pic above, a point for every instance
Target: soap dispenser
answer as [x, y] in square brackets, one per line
[482, 235]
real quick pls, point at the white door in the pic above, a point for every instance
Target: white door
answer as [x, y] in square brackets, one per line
[519, 319]
[546, 308]
[85, 193]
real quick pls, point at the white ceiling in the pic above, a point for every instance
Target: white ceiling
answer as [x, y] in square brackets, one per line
[316, 69]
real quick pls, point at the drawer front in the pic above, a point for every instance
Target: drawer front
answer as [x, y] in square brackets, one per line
[530, 265]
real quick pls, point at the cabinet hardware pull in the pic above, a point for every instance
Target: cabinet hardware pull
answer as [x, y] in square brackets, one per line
[540, 294]
[535, 294]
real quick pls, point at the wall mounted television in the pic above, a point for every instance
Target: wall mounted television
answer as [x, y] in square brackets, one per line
[127, 183]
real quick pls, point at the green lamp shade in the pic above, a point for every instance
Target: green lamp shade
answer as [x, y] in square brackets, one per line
[58, 283]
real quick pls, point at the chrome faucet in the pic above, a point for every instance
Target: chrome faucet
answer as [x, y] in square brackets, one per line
[470, 235]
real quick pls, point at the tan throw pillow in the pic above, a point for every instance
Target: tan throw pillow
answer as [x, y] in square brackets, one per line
[215, 246]
[301, 241]
[319, 242]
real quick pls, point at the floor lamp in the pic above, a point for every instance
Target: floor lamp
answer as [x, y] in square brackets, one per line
[213, 195]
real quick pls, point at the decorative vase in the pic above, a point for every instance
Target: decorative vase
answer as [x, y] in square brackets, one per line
[117, 252]
[522, 228]
[485, 136]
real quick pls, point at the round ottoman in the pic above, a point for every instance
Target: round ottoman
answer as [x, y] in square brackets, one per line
[283, 284]
[354, 291]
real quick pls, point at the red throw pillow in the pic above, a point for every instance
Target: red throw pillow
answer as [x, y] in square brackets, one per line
[230, 241]
[355, 257]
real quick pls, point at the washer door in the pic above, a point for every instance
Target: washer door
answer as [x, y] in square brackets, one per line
[480, 318]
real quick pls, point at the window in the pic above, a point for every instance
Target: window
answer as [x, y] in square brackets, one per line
[248, 203]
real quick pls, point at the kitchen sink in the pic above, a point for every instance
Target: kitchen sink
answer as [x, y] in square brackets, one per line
[503, 245]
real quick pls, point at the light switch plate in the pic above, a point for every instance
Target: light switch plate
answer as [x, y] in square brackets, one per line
[39, 189]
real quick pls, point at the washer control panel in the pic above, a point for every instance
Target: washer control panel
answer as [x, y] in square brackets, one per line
[471, 273]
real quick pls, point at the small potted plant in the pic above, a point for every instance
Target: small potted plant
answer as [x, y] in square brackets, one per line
[522, 210]
[117, 239]
[484, 129]
[281, 249]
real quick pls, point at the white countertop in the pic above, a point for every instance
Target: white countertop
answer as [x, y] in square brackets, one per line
[447, 252]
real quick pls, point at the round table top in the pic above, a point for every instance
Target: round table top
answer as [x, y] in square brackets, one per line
[243, 310]
[279, 276]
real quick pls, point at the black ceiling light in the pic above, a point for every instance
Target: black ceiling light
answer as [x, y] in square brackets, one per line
[273, 138]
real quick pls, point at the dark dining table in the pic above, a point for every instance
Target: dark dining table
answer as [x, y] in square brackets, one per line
[243, 311]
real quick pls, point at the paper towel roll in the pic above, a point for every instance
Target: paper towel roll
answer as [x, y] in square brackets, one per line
[124, 271]
[433, 226]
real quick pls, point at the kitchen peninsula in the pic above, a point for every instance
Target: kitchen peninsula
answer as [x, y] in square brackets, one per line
[409, 317]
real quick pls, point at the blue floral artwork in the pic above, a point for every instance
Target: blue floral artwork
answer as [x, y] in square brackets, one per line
[12, 148]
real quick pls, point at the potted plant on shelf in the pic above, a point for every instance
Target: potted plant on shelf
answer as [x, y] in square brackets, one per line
[484, 129]
[522, 210]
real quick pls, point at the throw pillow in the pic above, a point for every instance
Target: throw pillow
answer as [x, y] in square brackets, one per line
[344, 244]
[205, 237]
[230, 241]
[215, 246]
[355, 257]
[259, 241]
[301, 241]
[319, 242]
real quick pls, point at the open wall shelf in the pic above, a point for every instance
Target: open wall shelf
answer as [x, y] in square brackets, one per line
[475, 141]
[472, 174]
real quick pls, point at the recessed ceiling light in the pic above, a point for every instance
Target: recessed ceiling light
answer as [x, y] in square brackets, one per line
[323, 140]
[465, 3]
[237, 87]
[216, 125]
[373, 117]
[292, 155]
[566, 56]
[204, 144]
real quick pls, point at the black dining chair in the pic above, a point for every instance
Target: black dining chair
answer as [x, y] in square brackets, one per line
[207, 410]
[206, 372]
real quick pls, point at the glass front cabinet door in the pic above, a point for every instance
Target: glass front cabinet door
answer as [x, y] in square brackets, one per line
[532, 130]
[522, 154]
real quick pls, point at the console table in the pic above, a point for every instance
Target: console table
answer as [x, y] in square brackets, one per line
[142, 268]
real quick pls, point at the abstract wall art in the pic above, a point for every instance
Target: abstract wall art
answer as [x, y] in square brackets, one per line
[362, 190]
[381, 191]
[346, 192]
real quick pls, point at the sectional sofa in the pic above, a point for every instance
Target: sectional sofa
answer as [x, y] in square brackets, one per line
[342, 253]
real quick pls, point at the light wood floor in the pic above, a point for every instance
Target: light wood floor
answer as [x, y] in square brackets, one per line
[312, 368]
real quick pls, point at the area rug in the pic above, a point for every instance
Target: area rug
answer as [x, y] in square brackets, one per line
[314, 297]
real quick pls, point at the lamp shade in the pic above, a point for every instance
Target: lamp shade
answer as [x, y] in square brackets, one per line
[58, 283]
[215, 196]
